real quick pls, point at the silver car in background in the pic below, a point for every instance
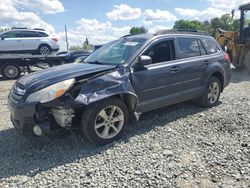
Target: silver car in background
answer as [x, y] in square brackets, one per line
[34, 41]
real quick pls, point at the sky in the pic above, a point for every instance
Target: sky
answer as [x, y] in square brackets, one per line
[102, 21]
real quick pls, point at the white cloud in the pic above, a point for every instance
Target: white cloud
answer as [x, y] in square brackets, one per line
[43, 6]
[229, 5]
[124, 12]
[206, 14]
[96, 32]
[187, 12]
[10, 16]
[158, 16]
[156, 28]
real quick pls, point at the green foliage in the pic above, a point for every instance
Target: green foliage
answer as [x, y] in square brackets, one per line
[75, 48]
[187, 24]
[225, 22]
[138, 30]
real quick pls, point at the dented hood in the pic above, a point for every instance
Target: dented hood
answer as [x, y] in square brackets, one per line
[44, 78]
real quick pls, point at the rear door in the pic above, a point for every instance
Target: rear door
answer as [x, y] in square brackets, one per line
[10, 42]
[159, 83]
[30, 40]
[193, 62]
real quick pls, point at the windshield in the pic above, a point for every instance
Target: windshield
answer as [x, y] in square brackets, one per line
[116, 52]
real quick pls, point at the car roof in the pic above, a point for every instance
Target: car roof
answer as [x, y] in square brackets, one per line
[161, 34]
[33, 30]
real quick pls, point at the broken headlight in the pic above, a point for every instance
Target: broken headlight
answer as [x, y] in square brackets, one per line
[51, 92]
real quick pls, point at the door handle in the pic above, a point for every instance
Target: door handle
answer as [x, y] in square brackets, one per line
[175, 69]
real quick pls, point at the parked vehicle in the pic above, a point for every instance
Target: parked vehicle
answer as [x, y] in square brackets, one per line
[70, 57]
[124, 78]
[34, 41]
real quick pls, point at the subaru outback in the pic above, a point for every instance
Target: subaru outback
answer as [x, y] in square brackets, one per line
[35, 41]
[121, 80]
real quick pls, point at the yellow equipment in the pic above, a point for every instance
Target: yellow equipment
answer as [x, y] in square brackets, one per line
[237, 44]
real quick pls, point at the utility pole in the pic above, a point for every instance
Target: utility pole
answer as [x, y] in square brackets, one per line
[66, 35]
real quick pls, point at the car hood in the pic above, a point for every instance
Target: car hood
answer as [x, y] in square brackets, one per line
[44, 78]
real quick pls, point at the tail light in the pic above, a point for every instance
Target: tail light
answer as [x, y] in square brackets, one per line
[55, 39]
[227, 58]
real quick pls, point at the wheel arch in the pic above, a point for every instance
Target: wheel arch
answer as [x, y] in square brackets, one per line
[43, 44]
[220, 77]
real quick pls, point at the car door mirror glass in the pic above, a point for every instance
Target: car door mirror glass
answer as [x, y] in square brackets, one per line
[145, 60]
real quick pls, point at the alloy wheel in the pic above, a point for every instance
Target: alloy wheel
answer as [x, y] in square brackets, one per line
[213, 92]
[109, 122]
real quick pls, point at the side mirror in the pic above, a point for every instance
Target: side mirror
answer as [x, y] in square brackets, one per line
[2, 38]
[145, 60]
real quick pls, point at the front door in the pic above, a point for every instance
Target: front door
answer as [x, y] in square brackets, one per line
[159, 83]
[10, 42]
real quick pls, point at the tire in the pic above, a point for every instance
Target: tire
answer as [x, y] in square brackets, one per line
[10, 71]
[97, 126]
[44, 49]
[212, 93]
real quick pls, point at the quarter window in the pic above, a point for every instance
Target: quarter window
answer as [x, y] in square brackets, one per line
[211, 48]
[188, 47]
[41, 34]
[161, 52]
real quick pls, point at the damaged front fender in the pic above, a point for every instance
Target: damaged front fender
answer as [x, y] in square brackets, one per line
[116, 83]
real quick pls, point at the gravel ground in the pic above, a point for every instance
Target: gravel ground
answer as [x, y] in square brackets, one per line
[182, 145]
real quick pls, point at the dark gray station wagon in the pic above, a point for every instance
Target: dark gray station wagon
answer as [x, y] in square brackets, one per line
[126, 77]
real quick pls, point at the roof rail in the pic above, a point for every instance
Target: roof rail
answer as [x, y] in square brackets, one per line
[19, 28]
[182, 31]
[40, 29]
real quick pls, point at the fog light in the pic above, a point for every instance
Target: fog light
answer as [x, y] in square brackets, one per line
[37, 130]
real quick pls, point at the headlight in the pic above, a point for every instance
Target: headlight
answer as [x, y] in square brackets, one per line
[50, 93]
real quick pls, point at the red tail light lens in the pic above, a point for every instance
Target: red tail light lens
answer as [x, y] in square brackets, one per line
[55, 39]
[227, 58]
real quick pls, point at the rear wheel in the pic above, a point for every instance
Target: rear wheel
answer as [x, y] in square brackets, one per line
[10, 71]
[104, 122]
[44, 50]
[212, 94]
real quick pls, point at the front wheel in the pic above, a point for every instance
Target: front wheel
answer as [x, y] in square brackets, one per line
[104, 121]
[10, 71]
[212, 94]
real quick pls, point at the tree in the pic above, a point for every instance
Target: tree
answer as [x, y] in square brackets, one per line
[86, 46]
[206, 26]
[187, 24]
[138, 30]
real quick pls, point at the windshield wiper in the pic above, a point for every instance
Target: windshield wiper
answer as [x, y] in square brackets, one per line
[95, 62]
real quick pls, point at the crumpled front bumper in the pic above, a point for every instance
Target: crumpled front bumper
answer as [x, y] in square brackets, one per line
[22, 116]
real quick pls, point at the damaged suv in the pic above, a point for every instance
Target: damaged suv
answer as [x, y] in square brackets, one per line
[124, 78]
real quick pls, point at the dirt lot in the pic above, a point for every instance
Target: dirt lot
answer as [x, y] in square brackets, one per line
[179, 146]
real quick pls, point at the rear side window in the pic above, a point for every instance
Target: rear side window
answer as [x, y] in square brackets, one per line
[211, 48]
[161, 52]
[188, 47]
[28, 34]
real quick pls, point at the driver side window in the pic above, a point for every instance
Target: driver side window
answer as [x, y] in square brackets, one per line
[161, 52]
